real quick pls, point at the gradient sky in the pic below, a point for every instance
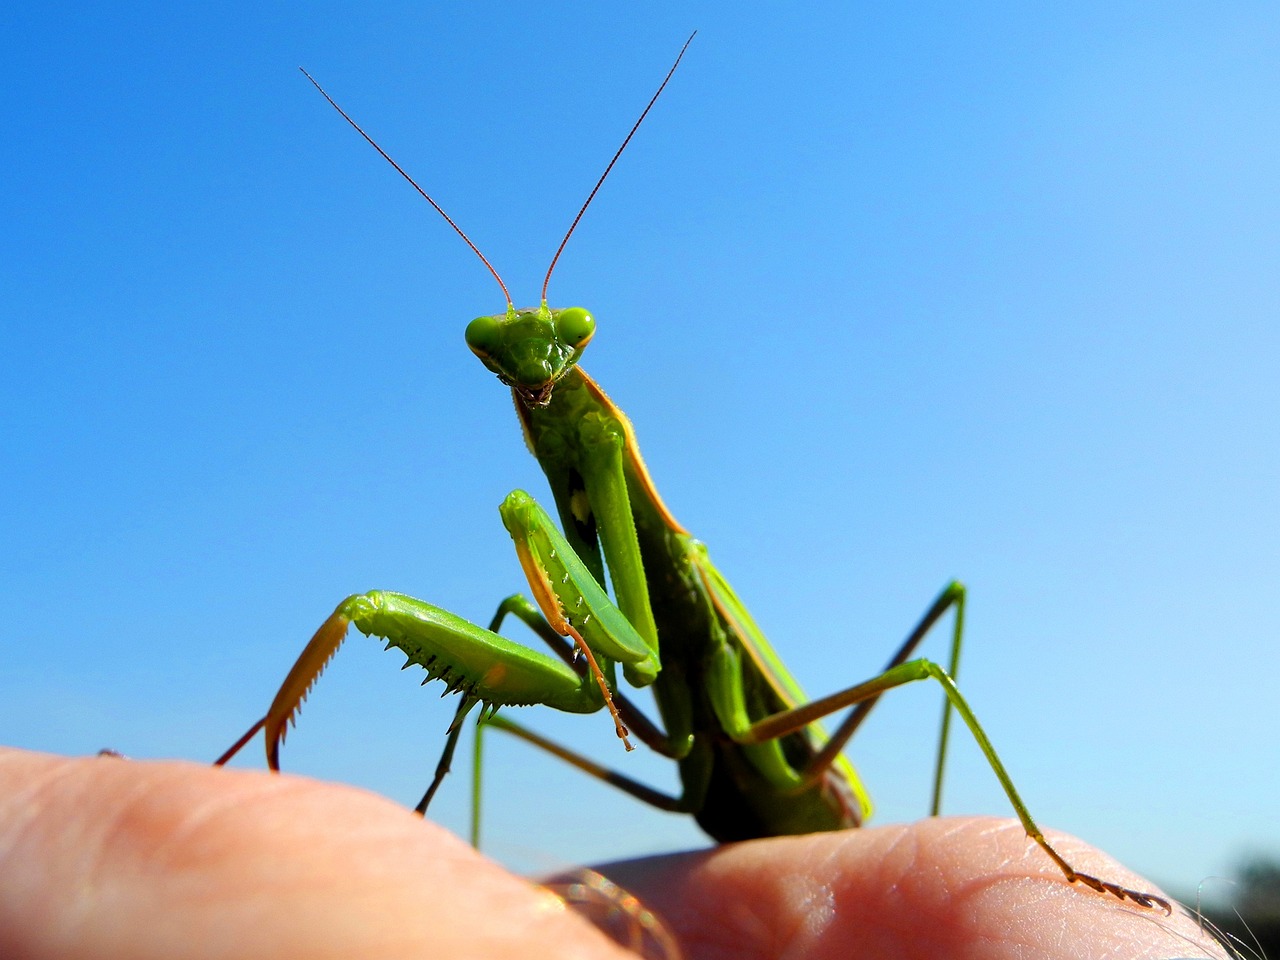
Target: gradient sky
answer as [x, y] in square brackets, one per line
[892, 294]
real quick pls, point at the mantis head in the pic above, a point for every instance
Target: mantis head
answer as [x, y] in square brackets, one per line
[531, 349]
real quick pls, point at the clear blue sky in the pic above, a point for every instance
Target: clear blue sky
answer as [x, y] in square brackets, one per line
[892, 294]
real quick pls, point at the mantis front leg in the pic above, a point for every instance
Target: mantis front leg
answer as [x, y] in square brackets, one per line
[482, 665]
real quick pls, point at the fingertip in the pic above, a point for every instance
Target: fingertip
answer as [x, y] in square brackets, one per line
[107, 859]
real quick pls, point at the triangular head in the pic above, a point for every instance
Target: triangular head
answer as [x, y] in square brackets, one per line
[531, 349]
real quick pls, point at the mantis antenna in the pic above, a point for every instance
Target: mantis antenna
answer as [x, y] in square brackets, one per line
[449, 220]
[596, 189]
[413, 183]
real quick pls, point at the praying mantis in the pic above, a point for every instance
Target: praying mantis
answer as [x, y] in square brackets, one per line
[752, 757]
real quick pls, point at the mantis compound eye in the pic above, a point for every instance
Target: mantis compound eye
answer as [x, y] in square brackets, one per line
[484, 334]
[574, 327]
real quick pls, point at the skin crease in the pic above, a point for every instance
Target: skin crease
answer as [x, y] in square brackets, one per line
[111, 859]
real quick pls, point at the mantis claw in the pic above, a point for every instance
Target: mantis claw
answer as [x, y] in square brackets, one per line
[1149, 900]
[585, 651]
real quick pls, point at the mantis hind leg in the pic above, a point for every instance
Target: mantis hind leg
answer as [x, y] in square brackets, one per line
[952, 597]
[863, 694]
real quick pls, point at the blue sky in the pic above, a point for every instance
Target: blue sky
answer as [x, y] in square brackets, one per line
[892, 295]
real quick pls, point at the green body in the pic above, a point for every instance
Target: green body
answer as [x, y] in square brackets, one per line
[706, 641]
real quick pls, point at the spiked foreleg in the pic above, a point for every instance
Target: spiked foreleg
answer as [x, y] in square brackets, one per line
[479, 663]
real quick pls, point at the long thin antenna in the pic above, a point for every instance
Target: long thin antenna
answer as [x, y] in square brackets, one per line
[594, 190]
[449, 220]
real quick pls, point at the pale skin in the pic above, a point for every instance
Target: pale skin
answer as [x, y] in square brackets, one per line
[106, 859]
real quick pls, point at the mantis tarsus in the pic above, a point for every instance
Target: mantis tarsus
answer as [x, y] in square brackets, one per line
[753, 761]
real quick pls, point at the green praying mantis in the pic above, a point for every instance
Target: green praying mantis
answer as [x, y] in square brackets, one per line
[753, 759]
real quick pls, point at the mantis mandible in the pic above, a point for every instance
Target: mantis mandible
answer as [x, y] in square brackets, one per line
[753, 761]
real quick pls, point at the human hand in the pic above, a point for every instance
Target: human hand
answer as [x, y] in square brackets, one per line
[104, 859]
